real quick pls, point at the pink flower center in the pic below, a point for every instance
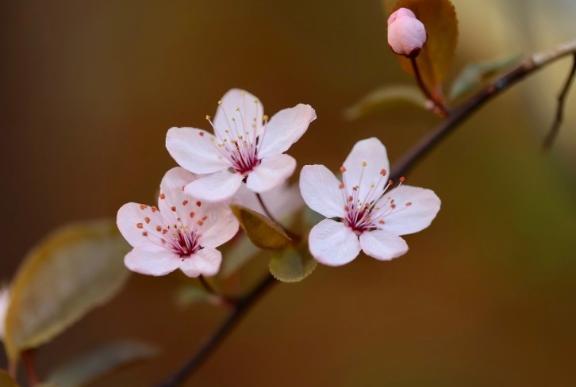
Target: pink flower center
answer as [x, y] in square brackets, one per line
[185, 243]
[239, 142]
[242, 154]
[364, 212]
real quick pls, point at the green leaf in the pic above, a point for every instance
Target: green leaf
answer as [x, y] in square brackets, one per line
[386, 96]
[262, 231]
[436, 58]
[475, 74]
[103, 360]
[292, 265]
[6, 380]
[74, 270]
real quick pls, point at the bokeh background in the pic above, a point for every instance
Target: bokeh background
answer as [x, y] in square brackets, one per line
[486, 296]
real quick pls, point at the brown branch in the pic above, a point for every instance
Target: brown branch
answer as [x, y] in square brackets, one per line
[226, 327]
[559, 118]
[413, 156]
[459, 115]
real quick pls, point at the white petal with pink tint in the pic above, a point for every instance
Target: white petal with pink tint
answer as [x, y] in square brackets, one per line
[4, 303]
[205, 262]
[237, 110]
[137, 223]
[332, 243]
[406, 34]
[220, 226]
[151, 262]
[195, 150]
[383, 245]
[271, 172]
[215, 187]
[285, 128]
[242, 145]
[413, 210]
[184, 231]
[367, 216]
[321, 191]
[366, 167]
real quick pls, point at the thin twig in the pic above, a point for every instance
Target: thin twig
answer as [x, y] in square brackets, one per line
[294, 237]
[29, 361]
[465, 111]
[226, 327]
[559, 118]
[439, 105]
[413, 156]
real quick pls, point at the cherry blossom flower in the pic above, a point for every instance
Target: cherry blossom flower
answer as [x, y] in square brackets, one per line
[366, 212]
[245, 147]
[181, 233]
[4, 302]
[406, 34]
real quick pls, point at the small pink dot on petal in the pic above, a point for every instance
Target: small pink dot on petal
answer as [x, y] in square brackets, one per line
[140, 225]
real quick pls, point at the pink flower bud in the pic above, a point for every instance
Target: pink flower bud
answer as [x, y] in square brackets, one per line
[406, 34]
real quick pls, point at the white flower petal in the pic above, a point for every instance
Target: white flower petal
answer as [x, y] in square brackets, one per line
[174, 203]
[219, 227]
[151, 262]
[216, 187]
[137, 224]
[382, 245]
[366, 166]
[320, 190]
[271, 172]
[285, 128]
[238, 111]
[408, 209]
[195, 150]
[332, 243]
[205, 262]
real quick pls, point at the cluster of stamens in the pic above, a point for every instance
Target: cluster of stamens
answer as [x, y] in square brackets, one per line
[367, 213]
[185, 243]
[240, 141]
[183, 236]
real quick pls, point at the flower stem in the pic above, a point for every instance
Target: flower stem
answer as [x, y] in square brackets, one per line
[219, 299]
[240, 309]
[439, 105]
[29, 361]
[293, 236]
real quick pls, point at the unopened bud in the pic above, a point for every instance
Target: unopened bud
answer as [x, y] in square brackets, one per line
[406, 34]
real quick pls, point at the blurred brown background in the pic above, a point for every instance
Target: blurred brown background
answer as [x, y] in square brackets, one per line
[484, 298]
